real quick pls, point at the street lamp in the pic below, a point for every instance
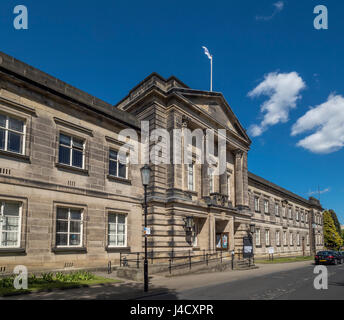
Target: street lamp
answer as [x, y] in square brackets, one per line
[252, 228]
[145, 176]
[189, 222]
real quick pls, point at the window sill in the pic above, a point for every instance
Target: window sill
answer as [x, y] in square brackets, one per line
[69, 250]
[117, 249]
[15, 155]
[118, 179]
[12, 251]
[70, 168]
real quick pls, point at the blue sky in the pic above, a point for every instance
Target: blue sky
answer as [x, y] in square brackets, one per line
[106, 47]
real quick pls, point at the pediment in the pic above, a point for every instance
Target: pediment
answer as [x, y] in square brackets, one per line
[217, 108]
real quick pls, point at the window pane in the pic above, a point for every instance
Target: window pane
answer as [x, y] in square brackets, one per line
[9, 239]
[2, 121]
[112, 218]
[75, 226]
[74, 239]
[121, 218]
[120, 228]
[10, 224]
[16, 125]
[11, 209]
[77, 158]
[2, 139]
[113, 168]
[61, 239]
[120, 240]
[65, 140]
[75, 214]
[62, 213]
[78, 143]
[112, 240]
[14, 142]
[113, 154]
[122, 170]
[61, 226]
[64, 155]
[112, 228]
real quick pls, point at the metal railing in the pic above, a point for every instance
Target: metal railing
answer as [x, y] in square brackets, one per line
[190, 258]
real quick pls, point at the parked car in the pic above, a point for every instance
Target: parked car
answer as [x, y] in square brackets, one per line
[341, 255]
[328, 257]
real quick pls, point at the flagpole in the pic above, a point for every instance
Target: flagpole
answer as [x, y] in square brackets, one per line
[211, 74]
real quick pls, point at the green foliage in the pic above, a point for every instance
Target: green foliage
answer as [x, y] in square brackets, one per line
[332, 238]
[48, 277]
[7, 282]
[336, 221]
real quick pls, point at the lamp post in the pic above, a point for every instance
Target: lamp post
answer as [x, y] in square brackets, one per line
[145, 176]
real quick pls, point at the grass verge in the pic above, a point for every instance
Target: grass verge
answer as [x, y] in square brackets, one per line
[285, 260]
[43, 285]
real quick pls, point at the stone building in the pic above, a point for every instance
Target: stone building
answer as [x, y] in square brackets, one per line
[68, 200]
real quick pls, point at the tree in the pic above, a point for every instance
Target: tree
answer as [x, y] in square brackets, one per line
[332, 238]
[336, 221]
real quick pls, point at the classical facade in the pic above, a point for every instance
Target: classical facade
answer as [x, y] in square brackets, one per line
[68, 200]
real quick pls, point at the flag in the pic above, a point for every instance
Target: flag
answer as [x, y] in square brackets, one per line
[206, 51]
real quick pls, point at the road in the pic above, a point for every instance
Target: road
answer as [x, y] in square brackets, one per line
[294, 284]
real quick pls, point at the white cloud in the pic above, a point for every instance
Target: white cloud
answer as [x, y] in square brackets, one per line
[319, 192]
[327, 120]
[283, 90]
[279, 6]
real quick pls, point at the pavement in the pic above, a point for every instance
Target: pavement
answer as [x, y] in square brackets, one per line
[270, 281]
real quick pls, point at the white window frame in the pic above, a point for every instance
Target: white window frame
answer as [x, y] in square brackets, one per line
[195, 234]
[307, 239]
[211, 180]
[290, 213]
[278, 237]
[277, 209]
[7, 129]
[266, 206]
[2, 206]
[229, 186]
[70, 147]
[267, 237]
[297, 215]
[117, 164]
[284, 211]
[256, 204]
[258, 239]
[298, 239]
[68, 228]
[291, 239]
[126, 230]
[285, 240]
[192, 165]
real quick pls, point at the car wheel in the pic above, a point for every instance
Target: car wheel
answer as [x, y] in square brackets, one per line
[335, 262]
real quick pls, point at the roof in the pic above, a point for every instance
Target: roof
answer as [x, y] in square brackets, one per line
[311, 201]
[52, 85]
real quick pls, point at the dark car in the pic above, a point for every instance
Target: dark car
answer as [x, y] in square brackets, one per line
[328, 257]
[341, 255]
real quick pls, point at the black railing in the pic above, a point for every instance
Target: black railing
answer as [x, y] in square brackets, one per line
[188, 259]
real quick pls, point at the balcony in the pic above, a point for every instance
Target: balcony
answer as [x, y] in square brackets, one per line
[218, 200]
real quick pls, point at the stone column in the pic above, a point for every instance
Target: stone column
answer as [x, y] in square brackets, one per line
[241, 179]
[239, 186]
